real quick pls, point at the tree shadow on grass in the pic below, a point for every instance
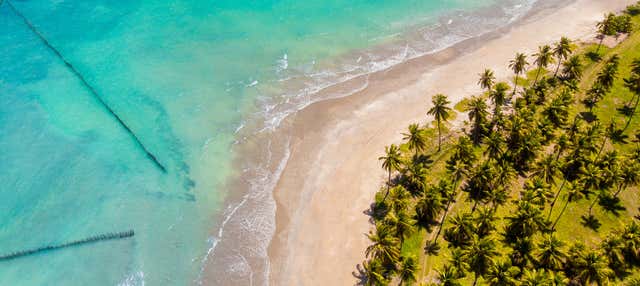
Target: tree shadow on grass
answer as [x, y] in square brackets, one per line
[589, 117]
[612, 204]
[594, 56]
[591, 221]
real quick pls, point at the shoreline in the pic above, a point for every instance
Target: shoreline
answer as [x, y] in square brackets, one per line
[332, 172]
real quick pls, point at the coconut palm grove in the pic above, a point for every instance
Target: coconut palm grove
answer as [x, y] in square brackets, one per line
[536, 183]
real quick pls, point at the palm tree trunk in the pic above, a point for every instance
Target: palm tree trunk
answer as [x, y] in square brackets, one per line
[595, 200]
[515, 85]
[473, 209]
[439, 136]
[604, 142]
[537, 75]
[555, 198]
[620, 188]
[388, 187]
[475, 279]
[444, 217]
[558, 67]
[561, 213]
[600, 43]
[633, 113]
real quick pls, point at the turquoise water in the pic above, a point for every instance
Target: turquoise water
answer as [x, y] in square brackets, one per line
[184, 76]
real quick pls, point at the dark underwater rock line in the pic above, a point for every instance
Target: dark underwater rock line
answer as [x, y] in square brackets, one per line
[91, 89]
[91, 239]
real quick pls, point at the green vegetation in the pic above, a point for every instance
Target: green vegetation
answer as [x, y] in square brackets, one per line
[539, 189]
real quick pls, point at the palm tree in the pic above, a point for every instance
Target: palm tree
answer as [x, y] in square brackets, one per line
[374, 272]
[550, 253]
[522, 254]
[415, 138]
[441, 111]
[477, 108]
[407, 271]
[502, 273]
[415, 178]
[402, 224]
[562, 50]
[487, 79]
[428, 208]
[499, 96]
[481, 255]
[391, 162]
[547, 169]
[573, 67]
[631, 241]
[593, 268]
[544, 57]
[461, 230]
[630, 176]
[525, 222]
[495, 146]
[385, 244]
[518, 65]
[448, 276]
[485, 222]
[613, 247]
[535, 277]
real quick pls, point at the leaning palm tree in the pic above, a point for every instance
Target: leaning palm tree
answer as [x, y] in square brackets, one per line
[518, 65]
[391, 162]
[441, 111]
[544, 57]
[562, 50]
[407, 270]
[415, 138]
[487, 79]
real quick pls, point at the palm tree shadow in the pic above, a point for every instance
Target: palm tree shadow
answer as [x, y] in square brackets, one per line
[612, 204]
[360, 274]
[588, 116]
[376, 211]
[626, 110]
[591, 221]
[423, 159]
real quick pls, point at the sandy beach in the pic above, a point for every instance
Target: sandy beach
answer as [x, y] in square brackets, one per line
[333, 171]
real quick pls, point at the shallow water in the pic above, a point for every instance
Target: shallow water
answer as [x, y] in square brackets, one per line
[185, 77]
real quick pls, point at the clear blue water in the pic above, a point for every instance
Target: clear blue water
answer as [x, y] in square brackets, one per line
[184, 76]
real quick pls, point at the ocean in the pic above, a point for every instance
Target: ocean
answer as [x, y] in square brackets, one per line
[127, 115]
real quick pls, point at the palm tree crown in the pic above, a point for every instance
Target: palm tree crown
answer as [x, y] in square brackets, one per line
[441, 111]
